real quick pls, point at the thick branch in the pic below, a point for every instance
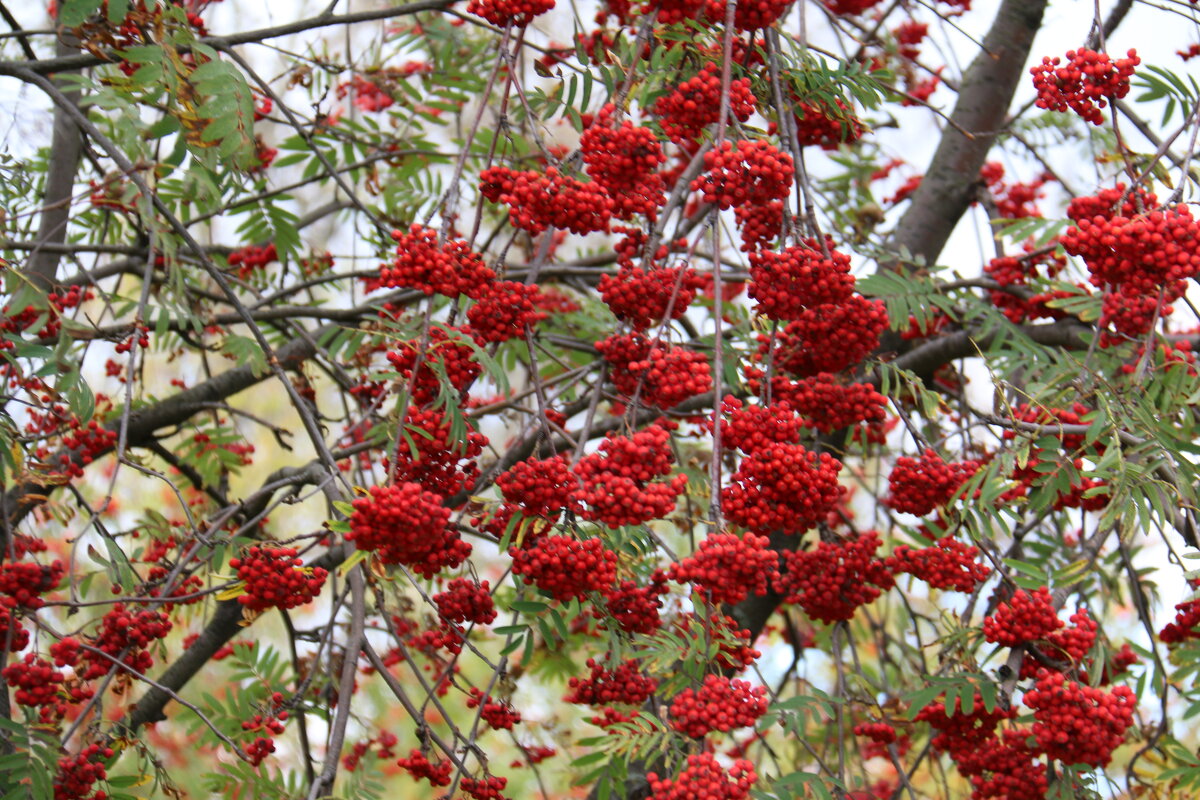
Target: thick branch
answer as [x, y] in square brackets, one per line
[66, 146]
[987, 88]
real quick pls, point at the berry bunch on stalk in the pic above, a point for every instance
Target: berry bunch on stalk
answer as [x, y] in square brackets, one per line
[444, 409]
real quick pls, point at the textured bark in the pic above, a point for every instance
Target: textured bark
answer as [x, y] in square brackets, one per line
[66, 146]
[987, 89]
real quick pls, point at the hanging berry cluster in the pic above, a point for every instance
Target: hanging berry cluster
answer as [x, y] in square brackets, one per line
[1025, 618]
[503, 13]
[799, 277]
[421, 263]
[405, 524]
[1139, 255]
[275, 578]
[635, 608]
[827, 338]
[415, 360]
[625, 684]
[704, 777]
[464, 600]
[1079, 724]
[643, 298]
[920, 486]
[946, 564]
[721, 704]
[619, 485]
[782, 487]
[751, 428]
[833, 579]
[538, 201]
[654, 371]
[695, 104]
[825, 127]
[564, 567]
[727, 568]
[1088, 82]
[436, 455]
[752, 173]
[624, 159]
[503, 310]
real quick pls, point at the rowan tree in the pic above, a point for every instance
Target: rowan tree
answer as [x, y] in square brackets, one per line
[659, 399]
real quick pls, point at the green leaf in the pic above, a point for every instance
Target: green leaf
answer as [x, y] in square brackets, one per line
[73, 13]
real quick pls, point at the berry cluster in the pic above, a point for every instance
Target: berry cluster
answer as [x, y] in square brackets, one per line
[828, 404]
[660, 375]
[624, 685]
[87, 443]
[799, 277]
[705, 779]
[1018, 271]
[450, 269]
[1186, 624]
[36, 681]
[26, 582]
[1025, 618]
[751, 428]
[276, 578]
[643, 298]
[828, 338]
[78, 773]
[1003, 767]
[624, 159]
[436, 455]
[452, 356]
[500, 716]
[538, 201]
[503, 13]
[251, 258]
[619, 485]
[368, 96]
[1085, 84]
[759, 225]
[918, 487]
[959, 733]
[466, 601]
[407, 525]
[734, 650]
[564, 567]
[721, 704]
[488, 788]
[909, 35]
[635, 608]
[420, 767]
[879, 732]
[1069, 645]
[270, 725]
[752, 173]
[696, 102]
[825, 127]
[1012, 200]
[782, 487]
[504, 310]
[124, 635]
[947, 564]
[1079, 724]
[1137, 255]
[833, 579]
[751, 15]
[541, 488]
[728, 568]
